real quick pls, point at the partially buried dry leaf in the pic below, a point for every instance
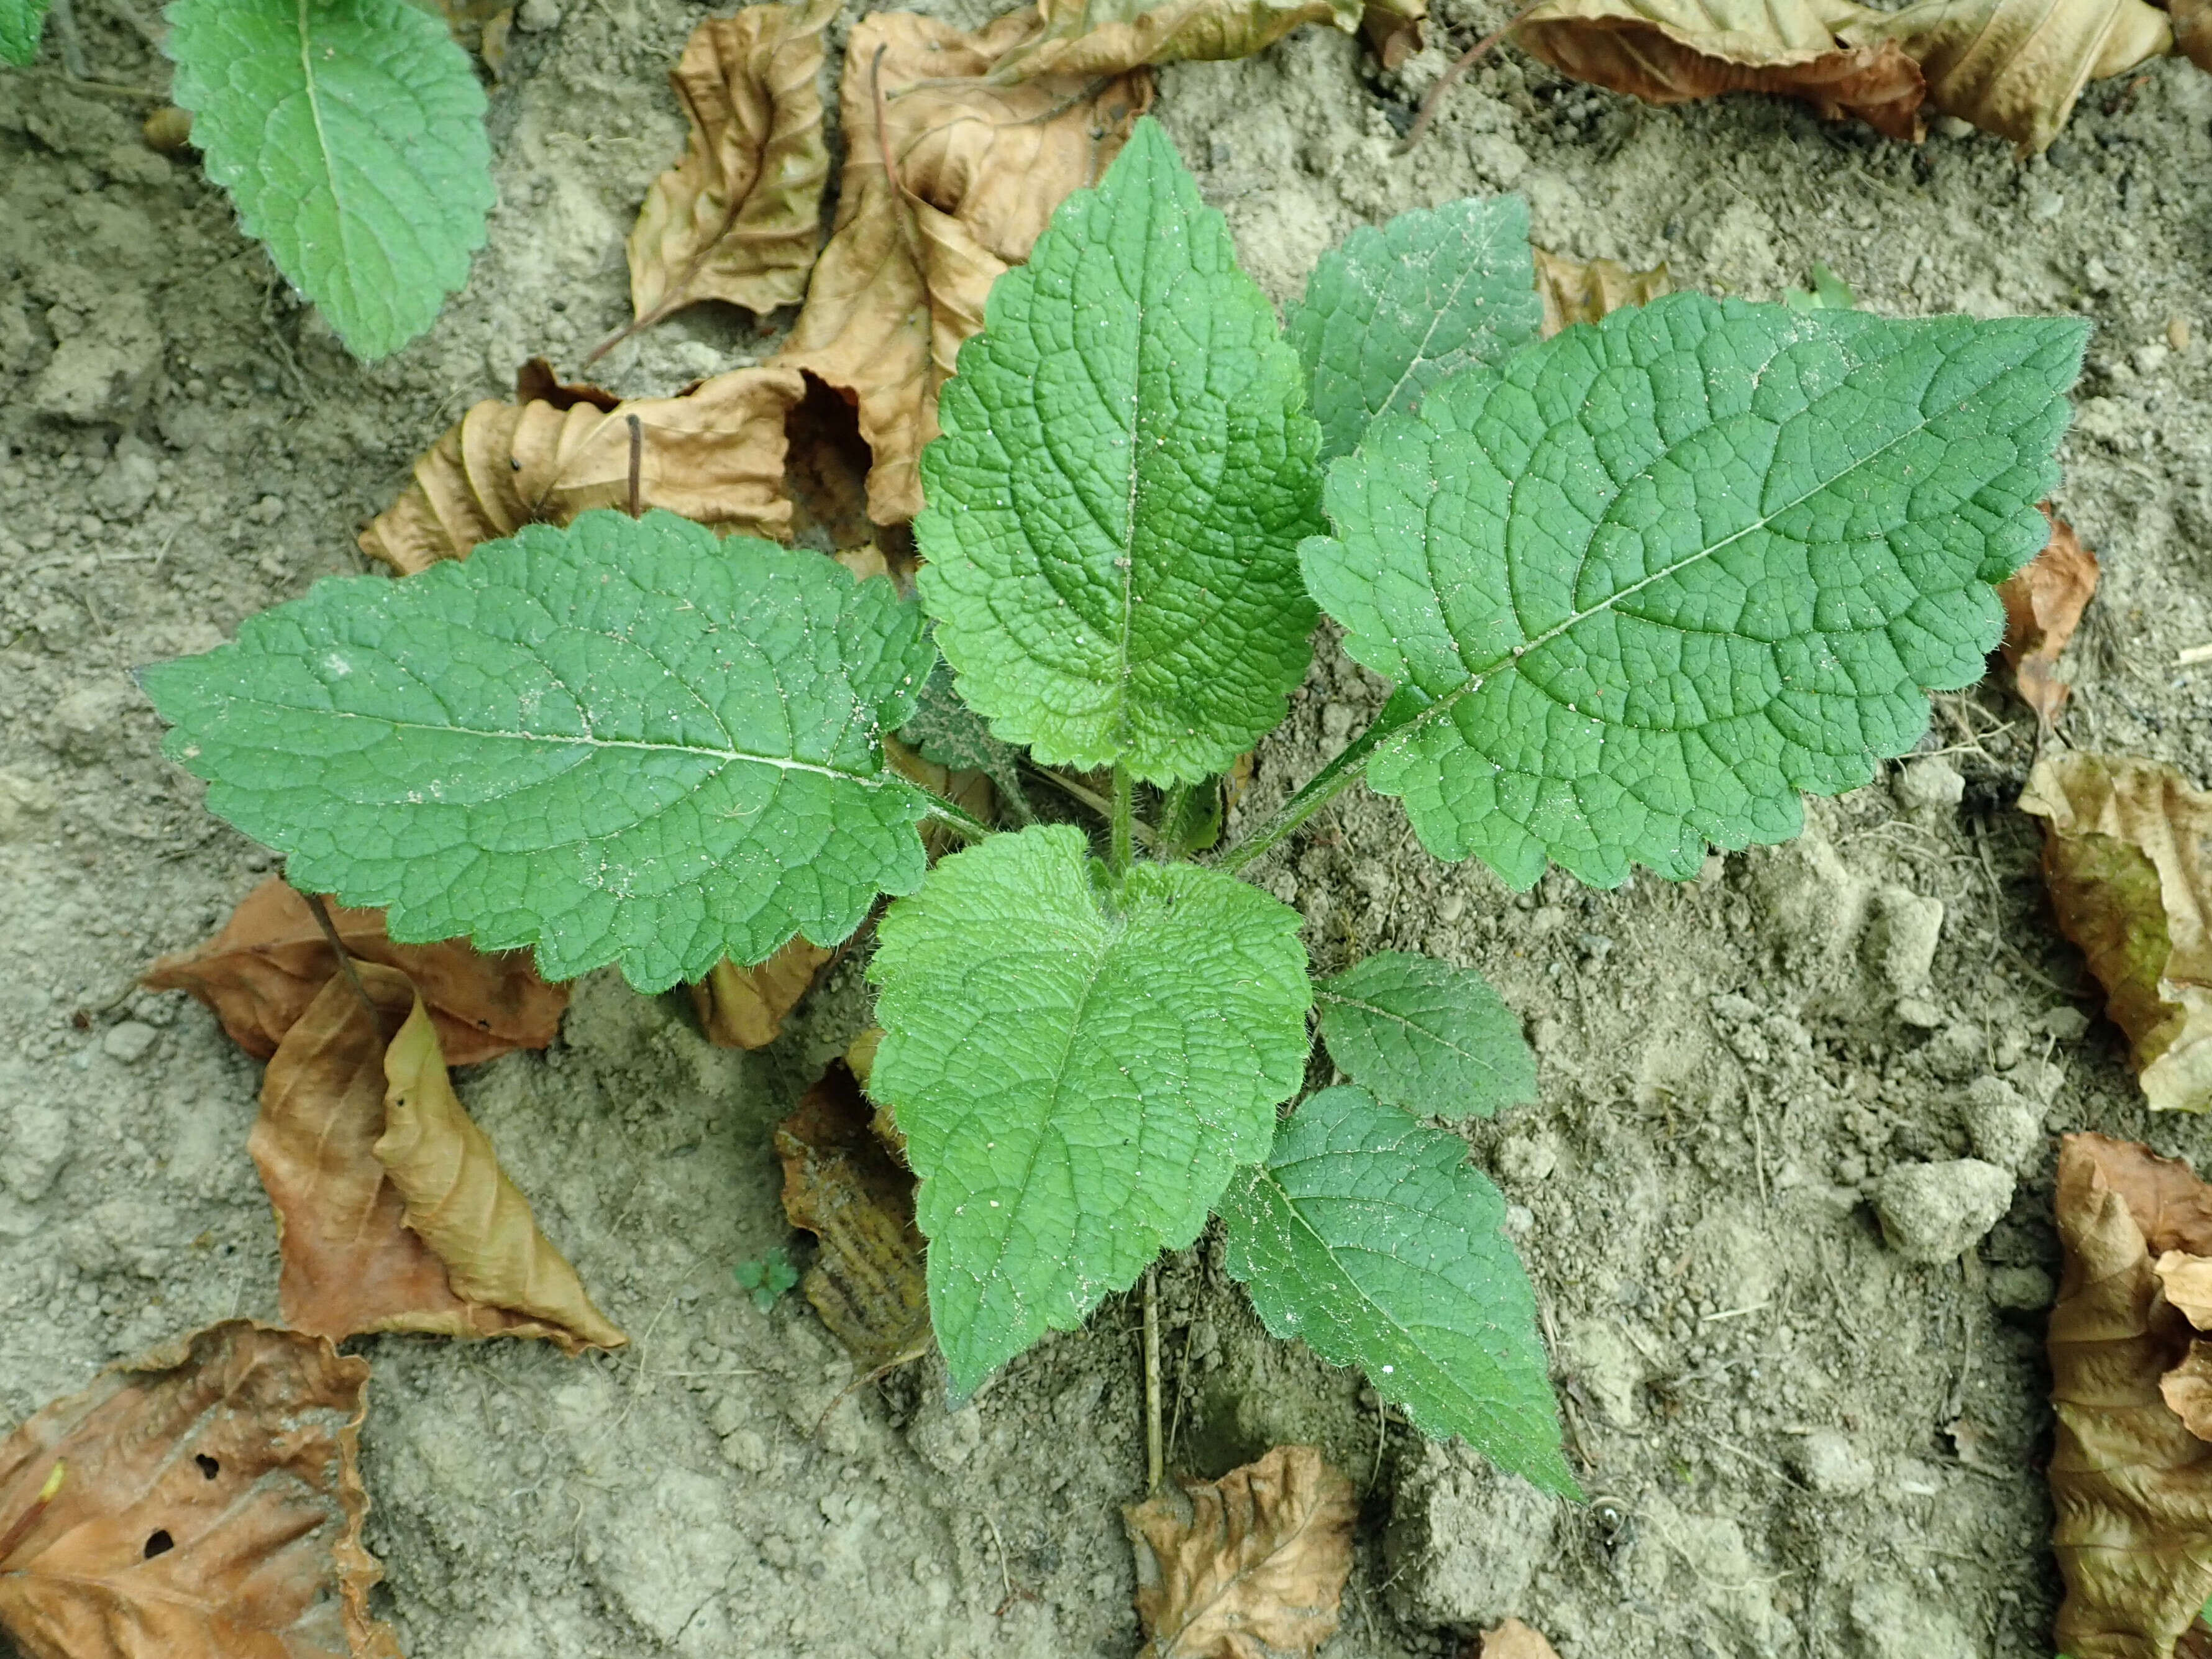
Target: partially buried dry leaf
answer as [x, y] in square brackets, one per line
[2015, 67]
[2127, 854]
[2131, 1485]
[363, 1242]
[1666, 50]
[1110, 36]
[2044, 601]
[1515, 1640]
[743, 1007]
[1248, 1566]
[737, 219]
[713, 453]
[1582, 291]
[262, 970]
[210, 1506]
[978, 170]
[842, 1185]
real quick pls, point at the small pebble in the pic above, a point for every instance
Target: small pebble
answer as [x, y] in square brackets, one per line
[2177, 333]
[2003, 1125]
[2066, 1023]
[1935, 1212]
[1830, 1462]
[129, 1041]
[2020, 1290]
[1928, 783]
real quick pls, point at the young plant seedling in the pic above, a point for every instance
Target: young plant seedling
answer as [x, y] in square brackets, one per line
[766, 1278]
[1638, 586]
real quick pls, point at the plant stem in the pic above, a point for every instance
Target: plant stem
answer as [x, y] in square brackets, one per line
[1170, 820]
[346, 958]
[958, 820]
[1325, 786]
[1156, 1462]
[1140, 833]
[1119, 820]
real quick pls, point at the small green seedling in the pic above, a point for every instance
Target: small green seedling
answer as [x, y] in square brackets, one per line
[1636, 587]
[767, 1277]
[351, 135]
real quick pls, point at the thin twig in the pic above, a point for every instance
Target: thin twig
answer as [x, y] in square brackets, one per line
[1450, 78]
[636, 460]
[345, 957]
[1156, 1461]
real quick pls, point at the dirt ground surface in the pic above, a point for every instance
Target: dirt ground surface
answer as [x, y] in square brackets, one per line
[1797, 1442]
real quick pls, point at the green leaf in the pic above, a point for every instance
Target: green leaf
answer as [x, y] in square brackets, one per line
[946, 732]
[625, 741]
[1125, 471]
[1829, 292]
[1368, 1237]
[1425, 1036]
[351, 135]
[1076, 1071]
[21, 21]
[1393, 310]
[1659, 575]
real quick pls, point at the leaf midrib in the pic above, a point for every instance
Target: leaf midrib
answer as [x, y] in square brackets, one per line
[1474, 271]
[1436, 1037]
[1444, 1379]
[1475, 677]
[782, 763]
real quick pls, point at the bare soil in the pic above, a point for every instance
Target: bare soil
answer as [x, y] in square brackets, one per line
[1797, 1442]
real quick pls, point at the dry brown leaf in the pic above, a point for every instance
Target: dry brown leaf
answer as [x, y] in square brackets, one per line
[1111, 37]
[713, 453]
[465, 1209]
[2044, 601]
[480, 26]
[970, 791]
[738, 218]
[1515, 1640]
[349, 1262]
[1666, 50]
[2132, 1485]
[841, 1184]
[1393, 27]
[2186, 1281]
[2015, 67]
[262, 970]
[743, 1007]
[2192, 30]
[2127, 854]
[980, 169]
[210, 1507]
[1582, 291]
[1258, 1557]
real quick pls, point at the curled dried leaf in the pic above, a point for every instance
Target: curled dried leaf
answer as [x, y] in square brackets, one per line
[260, 972]
[713, 453]
[1584, 290]
[842, 1185]
[1666, 50]
[2130, 1483]
[743, 1007]
[737, 219]
[462, 1205]
[1112, 37]
[350, 1263]
[2127, 854]
[947, 190]
[2015, 67]
[1258, 1557]
[2044, 601]
[1393, 27]
[209, 1506]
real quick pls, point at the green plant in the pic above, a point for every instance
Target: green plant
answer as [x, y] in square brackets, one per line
[1638, 586]
[350, 133]
[766, 1278]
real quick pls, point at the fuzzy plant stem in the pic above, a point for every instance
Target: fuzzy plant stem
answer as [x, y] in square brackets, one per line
[1120, 820]
[1156, 1462]
[1326, 784]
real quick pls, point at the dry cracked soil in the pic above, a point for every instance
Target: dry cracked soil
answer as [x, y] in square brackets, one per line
[1796, 1440]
